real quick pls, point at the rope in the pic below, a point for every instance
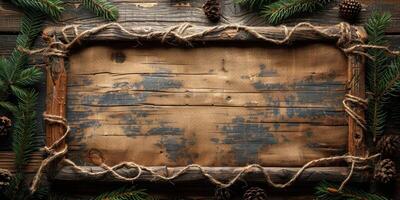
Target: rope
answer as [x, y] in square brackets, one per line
[178, 33]
[140, 169]
[50, 150]
[353, 114]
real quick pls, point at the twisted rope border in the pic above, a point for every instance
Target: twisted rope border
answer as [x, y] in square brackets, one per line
[61, 49]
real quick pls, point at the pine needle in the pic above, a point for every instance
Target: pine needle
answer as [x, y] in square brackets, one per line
[328, 191]
[125, 193]
[102, 8]
[378, 75]
[52, 8]
[375, 28]
[281, 10]
[389, 82]
[253, 4]
[31, 27]
[25, 128]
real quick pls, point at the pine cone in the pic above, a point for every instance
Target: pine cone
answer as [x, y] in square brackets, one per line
[5, 178]
[212, 9]
[5, 125]
[222, 194]
[389, 145]
[349, 9]
[385, 171]
[255, 193]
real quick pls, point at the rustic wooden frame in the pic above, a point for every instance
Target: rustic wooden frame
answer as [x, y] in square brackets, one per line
[56, 99]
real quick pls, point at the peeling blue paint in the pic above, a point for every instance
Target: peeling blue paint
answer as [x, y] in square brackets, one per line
[312, 82]
[246, 139]
[265, 72]
[276, 126]
[312, 113]
[122, 97]
[176, 148]
[165, 130]
[150, 82]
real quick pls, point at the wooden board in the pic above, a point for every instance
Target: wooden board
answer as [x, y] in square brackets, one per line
[164, 13]
[214, 106]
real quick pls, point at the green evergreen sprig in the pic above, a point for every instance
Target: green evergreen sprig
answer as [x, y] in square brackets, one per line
[281, 10]
[328, 191]
[16, 80]
[102, 8]
[383, 76]
[277, 11]
[125, 193]
[16, 84]
[25, 128]
[254, 4]
[15, 74]
[52, 8]
[31, 27]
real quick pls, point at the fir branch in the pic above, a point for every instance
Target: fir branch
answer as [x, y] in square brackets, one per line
[125, 193]
[102, 8]
[281, 10]
[8, 106]
[389, 82]
[375, 28]
[25, 128]
[31, 26]
[28, 76]
[376, 117]
[253, 4]
[377, 76]
[14, 75]
[13, 80]
[52, 8]
[328, 191]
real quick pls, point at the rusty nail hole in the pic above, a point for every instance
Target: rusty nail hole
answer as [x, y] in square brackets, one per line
[228, 98]
[357, 136]
[118, 57]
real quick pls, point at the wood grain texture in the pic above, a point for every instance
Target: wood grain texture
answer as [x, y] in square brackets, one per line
[238, 105]
[135, 13]
[356, 78]
[163, 13]
[7, 160]
[225, 174]
[56, 99]
[232, 33]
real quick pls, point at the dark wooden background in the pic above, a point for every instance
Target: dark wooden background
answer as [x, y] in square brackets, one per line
[164, 13]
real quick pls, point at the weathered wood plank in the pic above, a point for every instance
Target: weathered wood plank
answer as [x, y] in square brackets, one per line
[278, 174]
[8, 44]
[7, 161]
[357, 138]
[175, 137]
[165, 13]
[56, 99]
[231, 33]
[273, 106]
